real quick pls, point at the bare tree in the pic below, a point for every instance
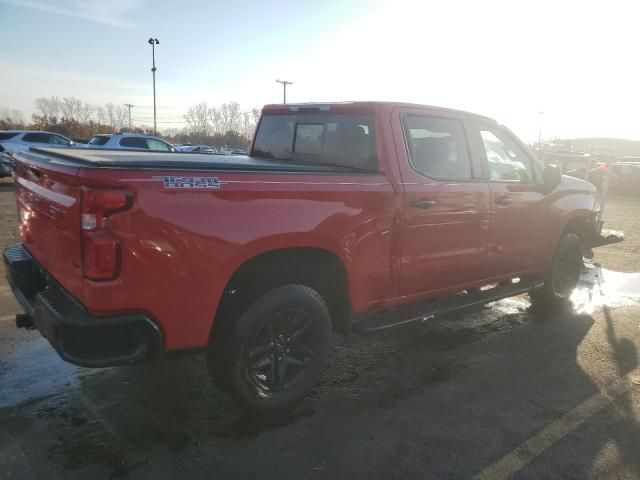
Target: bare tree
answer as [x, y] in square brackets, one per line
[101, 115]
[230, 116]
[85, 112]
[215, 119]
[48, 107]
[69, 107]
[11, 118]
[197, 119]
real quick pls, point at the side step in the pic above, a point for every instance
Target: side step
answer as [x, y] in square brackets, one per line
[423, 312]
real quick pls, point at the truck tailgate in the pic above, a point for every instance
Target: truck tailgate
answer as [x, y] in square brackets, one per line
[48, 197]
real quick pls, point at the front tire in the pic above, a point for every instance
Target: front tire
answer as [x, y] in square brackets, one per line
[563, 275]
[277, 350]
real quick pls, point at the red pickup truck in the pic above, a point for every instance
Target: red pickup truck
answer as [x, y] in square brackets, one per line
[361, 215]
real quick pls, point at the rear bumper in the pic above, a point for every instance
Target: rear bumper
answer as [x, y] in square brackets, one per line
[78, 336]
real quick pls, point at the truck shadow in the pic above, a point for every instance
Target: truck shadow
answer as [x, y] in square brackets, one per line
[118, 416]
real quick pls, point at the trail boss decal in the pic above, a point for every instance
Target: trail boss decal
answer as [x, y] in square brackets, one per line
[179, 182]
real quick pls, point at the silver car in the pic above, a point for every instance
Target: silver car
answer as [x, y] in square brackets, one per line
[130, 141]
[19, 140]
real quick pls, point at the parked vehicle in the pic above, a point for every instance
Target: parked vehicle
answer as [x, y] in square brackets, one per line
[130, 141]
[6, 164]
[198, 149]
[17, 140]
[624, 175]
[351, 215]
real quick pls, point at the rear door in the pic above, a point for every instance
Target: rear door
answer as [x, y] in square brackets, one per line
[517, 202]
[445, 206]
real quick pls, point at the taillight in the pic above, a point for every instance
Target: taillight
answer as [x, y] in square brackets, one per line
[100, 247]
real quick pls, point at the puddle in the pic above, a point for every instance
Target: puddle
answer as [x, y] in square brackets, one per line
[599, 287]
[34, 371]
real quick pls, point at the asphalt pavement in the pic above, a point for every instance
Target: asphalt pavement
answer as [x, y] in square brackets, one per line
[502, 392]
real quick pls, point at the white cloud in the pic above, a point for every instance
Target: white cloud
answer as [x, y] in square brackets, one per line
[112, 12]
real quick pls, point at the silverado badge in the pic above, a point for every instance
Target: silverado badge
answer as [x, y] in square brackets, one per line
[181, 182]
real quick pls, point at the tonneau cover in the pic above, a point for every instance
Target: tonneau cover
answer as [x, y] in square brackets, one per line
[134, 159]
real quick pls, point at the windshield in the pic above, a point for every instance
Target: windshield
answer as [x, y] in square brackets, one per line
[342, 140]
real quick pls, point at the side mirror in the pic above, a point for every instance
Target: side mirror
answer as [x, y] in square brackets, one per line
[551, 177]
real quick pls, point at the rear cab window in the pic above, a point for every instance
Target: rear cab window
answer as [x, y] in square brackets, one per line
[336, 140]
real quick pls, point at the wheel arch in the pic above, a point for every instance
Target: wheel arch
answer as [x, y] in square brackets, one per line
[315, 267]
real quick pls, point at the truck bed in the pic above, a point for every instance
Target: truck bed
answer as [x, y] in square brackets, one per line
[140, 160]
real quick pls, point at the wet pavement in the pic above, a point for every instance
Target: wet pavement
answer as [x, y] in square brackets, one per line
[448, 400]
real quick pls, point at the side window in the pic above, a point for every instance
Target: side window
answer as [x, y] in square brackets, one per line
[507, 162]
[7, 135]
[159, 145]
[437, 147]
[134, 142]
[36, 137]
[58, 140]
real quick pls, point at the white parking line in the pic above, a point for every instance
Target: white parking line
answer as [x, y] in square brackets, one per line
[536, 445]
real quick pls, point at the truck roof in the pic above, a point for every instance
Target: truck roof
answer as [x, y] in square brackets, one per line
[370, 106]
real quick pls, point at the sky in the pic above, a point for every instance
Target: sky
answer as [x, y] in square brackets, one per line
[567, 68]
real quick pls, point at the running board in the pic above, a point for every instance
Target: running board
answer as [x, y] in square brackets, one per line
[423, 312]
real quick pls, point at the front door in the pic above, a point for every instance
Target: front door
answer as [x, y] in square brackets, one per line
[445, 206]
[517, 202]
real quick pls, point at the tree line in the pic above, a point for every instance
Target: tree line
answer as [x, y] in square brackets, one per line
[225, 124]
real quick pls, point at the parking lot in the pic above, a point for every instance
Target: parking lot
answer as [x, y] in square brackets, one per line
[502, 392]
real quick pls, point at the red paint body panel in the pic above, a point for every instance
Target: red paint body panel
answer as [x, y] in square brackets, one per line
[179, 248]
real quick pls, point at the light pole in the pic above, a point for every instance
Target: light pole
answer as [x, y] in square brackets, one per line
[153, 42]
[284, 87]
[540, 134]
[128, 105]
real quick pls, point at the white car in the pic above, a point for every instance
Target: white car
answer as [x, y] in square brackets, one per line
[130, 141]
[16, 140]
[20, 140]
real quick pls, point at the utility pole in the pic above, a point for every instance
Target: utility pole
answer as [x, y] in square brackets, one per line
[153, 42]
[128, 105]
[284, 88]
[540, 135]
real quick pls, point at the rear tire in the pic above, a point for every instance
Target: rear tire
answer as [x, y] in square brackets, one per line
[563, 275]
[276, 352]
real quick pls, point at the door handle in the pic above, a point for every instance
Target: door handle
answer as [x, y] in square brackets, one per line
[423, 203]
[504, 200]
